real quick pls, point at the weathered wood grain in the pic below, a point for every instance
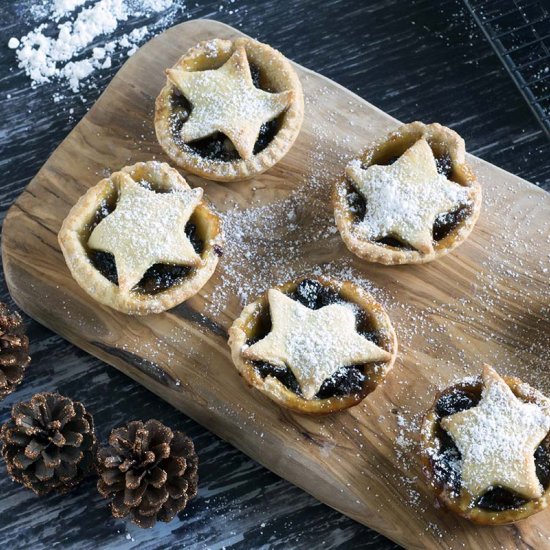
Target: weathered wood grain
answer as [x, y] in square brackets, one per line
[349, 460]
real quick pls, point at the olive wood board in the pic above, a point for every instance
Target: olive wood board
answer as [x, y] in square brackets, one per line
[487, 301]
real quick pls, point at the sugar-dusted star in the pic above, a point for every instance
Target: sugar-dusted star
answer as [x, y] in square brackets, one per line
[314, 344]
[146, 228]
[404, 198]
[497, 440]
[226, 100]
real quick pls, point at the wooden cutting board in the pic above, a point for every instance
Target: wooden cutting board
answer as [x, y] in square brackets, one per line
[489, 301]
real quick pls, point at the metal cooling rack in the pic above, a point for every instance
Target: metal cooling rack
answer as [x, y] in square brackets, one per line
[519, 31]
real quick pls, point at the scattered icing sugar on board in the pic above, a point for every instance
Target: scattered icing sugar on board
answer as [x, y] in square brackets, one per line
[273, 239]
[62, 53]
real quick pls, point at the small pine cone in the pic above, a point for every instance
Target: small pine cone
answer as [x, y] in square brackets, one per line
[149, 472]
[14, 350]
[49, 443]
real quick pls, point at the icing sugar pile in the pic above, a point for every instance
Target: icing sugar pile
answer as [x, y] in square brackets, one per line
[62, 7]
[64, 54]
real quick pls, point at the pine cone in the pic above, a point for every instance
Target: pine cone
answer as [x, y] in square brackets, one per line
[14, 350]
[49, 443]
[149, 471]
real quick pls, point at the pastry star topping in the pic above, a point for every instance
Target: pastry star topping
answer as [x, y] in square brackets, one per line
[497, 440]
[226, 100]
[405, 198]
[314, 344]
[146, 228]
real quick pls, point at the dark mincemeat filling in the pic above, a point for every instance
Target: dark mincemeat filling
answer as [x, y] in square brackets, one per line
[347, 380]
[444, 223]
[447, 469]
[218, 146]
[158, 277]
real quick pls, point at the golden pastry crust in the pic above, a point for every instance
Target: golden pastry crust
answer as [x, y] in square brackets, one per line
[444, 142]
[75, 231]
[461, 504]
[278, 73]
[246, 325]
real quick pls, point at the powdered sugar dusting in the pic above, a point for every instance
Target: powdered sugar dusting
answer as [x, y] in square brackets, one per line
[66, 55]
[61, 8]
[496, 439]
[404, 199]
[306, 341]
[141, 213]
[274, 237]
[226, 100]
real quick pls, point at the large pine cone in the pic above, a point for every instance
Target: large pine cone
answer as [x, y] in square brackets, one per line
[149, 471]
[14, 350]
[49, 443]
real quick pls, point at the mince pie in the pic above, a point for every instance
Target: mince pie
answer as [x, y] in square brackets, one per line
[314, 345]
[141, 241]
[230, 109]
[486, 448]
[410, 198]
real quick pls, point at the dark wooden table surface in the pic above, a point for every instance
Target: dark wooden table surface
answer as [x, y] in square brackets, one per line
[421, 60]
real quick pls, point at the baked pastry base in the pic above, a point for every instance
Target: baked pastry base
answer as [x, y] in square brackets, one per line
[462, 503]
[77, 226]
[247, 324]
[444, 143]
[279, 76]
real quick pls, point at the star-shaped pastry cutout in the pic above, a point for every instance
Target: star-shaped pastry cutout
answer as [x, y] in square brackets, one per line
[226, 100]
[497, 440]
[314, 344]
[404, 198]
[146, 228]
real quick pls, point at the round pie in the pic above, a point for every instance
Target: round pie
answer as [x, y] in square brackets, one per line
[486, 449]
[142, 241]
[230, 109]
[314, 345]
[409, 198]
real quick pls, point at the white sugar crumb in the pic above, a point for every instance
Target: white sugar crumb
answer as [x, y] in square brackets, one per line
[211, 49]
[60, 8]
[61, 53]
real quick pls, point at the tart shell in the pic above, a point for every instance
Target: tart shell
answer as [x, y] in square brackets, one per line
[75, 232]
[461, 504]
[212, 54]
[244, 327]
[442, 141]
